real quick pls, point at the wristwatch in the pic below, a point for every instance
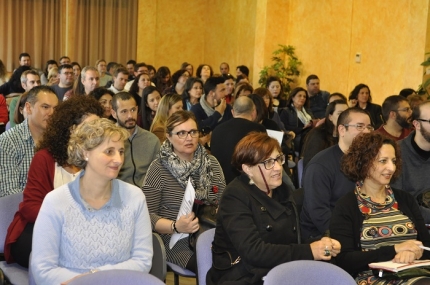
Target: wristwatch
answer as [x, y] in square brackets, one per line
[94, 270]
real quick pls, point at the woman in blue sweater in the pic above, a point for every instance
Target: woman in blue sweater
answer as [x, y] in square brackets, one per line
[95, 222]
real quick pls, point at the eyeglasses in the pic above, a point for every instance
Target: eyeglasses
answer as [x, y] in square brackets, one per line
[270, 163]
[422, 120]
[184, 134]
[407, 109]
[361, 127]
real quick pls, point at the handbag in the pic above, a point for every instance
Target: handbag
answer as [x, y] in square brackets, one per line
[207, 220]
[3, 279]
[404, 274]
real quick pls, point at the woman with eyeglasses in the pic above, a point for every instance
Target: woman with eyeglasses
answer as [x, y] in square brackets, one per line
[181, 159]
[257, 221]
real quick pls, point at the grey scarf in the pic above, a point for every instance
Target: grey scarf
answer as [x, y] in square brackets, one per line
[208, 109]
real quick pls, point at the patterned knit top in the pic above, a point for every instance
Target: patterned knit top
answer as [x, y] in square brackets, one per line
[383, 225]
[70, 237]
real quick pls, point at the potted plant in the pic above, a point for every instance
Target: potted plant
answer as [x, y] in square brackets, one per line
[285, 66]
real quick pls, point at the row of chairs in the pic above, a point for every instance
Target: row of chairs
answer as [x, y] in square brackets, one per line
[297, 272]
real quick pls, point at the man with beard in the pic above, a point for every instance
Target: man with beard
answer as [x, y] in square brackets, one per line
[396, 112]
[415, 150]
[141, 148]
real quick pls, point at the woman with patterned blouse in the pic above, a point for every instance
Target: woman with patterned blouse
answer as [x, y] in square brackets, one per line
[374, 222]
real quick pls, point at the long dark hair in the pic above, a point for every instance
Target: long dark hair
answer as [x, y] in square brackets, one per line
[145, 111]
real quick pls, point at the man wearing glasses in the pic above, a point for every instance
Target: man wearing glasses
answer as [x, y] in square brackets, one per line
[415, 150]
[397, 114]
[323, 181]
[66, 81]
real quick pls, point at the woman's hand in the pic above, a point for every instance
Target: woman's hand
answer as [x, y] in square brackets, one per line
[410, 245]
[308, 125]
[291, 134]
[187, 224]
[320, 247]
[405, 257]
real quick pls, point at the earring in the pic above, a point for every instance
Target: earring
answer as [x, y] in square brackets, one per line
[86, 158]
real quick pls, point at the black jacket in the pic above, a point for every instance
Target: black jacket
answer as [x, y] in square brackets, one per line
[259, 229]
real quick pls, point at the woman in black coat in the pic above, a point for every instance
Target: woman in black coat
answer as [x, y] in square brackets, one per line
[361, 93]
[257, 222]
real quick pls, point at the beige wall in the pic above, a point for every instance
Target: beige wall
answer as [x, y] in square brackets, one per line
[391, 35]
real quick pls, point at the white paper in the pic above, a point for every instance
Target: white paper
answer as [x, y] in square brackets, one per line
[276, 135]
[185, 209]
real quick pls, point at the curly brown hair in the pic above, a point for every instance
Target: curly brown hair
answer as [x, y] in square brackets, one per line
[67, 115]
[357, 163]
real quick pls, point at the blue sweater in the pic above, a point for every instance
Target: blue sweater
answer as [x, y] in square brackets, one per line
[71, 238]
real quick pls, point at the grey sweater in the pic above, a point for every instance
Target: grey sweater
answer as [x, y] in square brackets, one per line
[140, 150]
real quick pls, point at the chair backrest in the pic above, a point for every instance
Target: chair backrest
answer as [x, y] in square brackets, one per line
[117, 276]
[308, 272]
[300, 171]
[8, 207]
[158, 268]
[204, 255]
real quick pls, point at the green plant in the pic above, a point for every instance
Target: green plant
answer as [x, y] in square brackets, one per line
[285, 66]
[423, 88]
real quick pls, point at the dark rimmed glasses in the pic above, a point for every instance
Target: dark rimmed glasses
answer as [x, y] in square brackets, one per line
[361, 127]
[184, 134]
[270, 162]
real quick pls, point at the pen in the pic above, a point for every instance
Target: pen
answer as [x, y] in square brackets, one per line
[424, 247]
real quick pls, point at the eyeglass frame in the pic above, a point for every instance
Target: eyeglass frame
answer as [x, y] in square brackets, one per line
[357, 126]
[276, 159]
[406, 109]
[422, 120]
[187, 133]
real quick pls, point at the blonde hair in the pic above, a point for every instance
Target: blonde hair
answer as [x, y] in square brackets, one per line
[90, 135]
[164, 106]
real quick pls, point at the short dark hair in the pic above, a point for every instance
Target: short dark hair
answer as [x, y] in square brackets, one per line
[337, 94]
[253, 149]
[406, 92]
[416, 112]
[227, 77]
[211, 83]
[224, 63]
[119, 70]
[391, 103]
[358, 161]
[311, 77]
[344, 118]
[200, 67]
[110, 65]
[49, 62]
[138, 65]
[23, 55]
[32, 94]
[131, 61]
[242, 87]
[64, 66]
[64, 56]
[123, 96]
[99, 92]
[243, 69]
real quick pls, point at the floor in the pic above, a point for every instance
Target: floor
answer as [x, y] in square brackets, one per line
[182, 280]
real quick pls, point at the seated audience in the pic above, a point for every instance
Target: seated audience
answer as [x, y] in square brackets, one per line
[242, 70]
[414, 100]
[141, 148]
[325, 135]
[262, 113]
[169, 104]
[397, 115]
[119, 79]
[162, 79]
[181, 159]
[227, 135]
[192, 93]
[362, 94]
[212, 109]
[104, 97]
[139, 83]
[53, 77]
[17, 144]
[49, 65]
[276, 89]
[297, 117]
[83, 86]
[323, 182]
[148, 106]
[3, 73]
[103, 76]
[152, 71]
[14, 85]
[95, 222]
[20, 113]
[317, 97]
[406, 92]
[188, 67]
[179, 78]
[76, 70]
[204, 71]
[242, 89]
[268, 101]
[375, 222]
[257, 222]
[48, 170]
[229, 85]
[65, 82]
[336, 96]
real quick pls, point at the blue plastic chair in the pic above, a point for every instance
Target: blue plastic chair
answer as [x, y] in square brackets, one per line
[204, 255]
[117, 276]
